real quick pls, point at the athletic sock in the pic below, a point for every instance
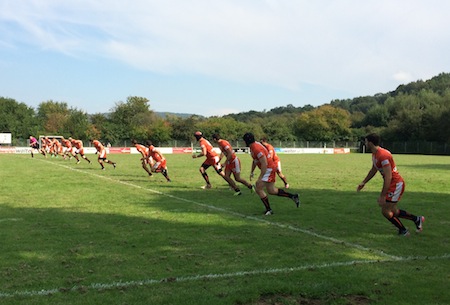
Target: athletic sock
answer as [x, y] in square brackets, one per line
[283, 193]
[396, 222]
[406, 215]
[205, 176]
[265, 201]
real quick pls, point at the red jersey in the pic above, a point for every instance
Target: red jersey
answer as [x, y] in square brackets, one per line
[272, 153]
[155, 154]
[259, 151]
[98, 146]
[224, 147]
[210, 153]
[142, 149]
[67, 143]
[77, 143]
[382, 158]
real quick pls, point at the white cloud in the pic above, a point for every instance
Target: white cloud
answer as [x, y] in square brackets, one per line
[348, 45]
[402, 77]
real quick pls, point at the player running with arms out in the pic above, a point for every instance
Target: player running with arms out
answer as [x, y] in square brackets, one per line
[276, 160]
[393, 186]
[160, 163]
[266, 179]
[212, 159]
[232, 162]
[145, 155]
[101, 152]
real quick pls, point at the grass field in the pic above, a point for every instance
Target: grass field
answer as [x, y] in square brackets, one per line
[73, 234]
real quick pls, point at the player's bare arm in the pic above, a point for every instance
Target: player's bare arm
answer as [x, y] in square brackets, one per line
[369, 176]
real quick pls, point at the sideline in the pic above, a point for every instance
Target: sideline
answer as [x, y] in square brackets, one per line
[148, 282]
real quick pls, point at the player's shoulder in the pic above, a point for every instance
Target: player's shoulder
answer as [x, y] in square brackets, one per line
[384, 152]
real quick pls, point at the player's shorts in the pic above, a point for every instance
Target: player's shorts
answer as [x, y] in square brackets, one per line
[214, 161]
[395, 191]
[102, 154]
[160, 165]
[234, 166]
[269, 176]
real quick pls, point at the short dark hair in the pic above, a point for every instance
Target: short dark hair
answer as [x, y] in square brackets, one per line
[374, 138]
[215, 136]
[249, 138]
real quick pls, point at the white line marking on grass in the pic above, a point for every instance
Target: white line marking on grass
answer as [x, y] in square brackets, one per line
[211, 207]
[148, 282]
[10, 219]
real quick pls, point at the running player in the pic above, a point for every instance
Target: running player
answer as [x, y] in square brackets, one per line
[79, 150]
[34, 144]
[232, 162]
[276, 160]
[212, 159]
[160, 163]
[67, 148]
[393, 186]
[101, 152]
[266, 179]
[145, 156]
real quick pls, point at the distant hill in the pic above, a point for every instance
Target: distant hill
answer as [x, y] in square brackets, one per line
[181, 115]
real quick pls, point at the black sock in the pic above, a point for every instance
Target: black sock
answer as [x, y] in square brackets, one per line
[406, 215]
[396, 222]
[283, 193]
[205, 176]
[265, 201]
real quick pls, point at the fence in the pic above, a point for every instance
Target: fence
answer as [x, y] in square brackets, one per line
[407, 147]
[418, 147]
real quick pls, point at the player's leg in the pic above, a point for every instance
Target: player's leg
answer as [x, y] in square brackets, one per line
[228, 179]
[418, 220]
[204, 174]
[235, 168]
[273, 190]
[389, 210]
[259, 188]
[144, 163]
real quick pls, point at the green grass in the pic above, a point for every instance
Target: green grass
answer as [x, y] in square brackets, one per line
[73, 234]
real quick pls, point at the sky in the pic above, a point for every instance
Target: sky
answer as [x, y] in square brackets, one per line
[211, 57]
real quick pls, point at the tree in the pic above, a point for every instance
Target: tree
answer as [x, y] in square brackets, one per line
[131, 118]
[76, 124]
[280, 127]
[376, 116]
[54, 116]
[326, 123]
[17, 118]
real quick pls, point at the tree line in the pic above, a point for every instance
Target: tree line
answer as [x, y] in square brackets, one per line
[416, 111]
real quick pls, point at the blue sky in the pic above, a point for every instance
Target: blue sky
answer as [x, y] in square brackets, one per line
[213, 57]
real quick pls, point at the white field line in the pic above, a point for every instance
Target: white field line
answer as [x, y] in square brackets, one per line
[200, 277]
[211, 207]
[10, 219]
